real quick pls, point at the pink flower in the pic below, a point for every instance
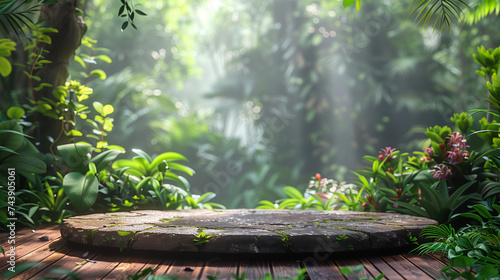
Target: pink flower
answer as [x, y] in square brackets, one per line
[386, 153]
[458, 148]
[442, 171]
[428, 151]
[458, 141]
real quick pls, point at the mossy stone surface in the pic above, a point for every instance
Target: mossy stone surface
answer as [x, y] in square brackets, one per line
[245, 230]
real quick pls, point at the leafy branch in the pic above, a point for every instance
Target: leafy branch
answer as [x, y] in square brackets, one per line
[129, 11]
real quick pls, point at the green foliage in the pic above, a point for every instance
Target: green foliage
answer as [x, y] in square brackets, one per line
[445, 12]
[149, 173]
[15, 113]
[51, 202]
[480, 10]
[81, 188]
[475, 249]
[82, 185]
[201, 238]
[436, 203]
[494, 91]
[298, 201]
[6, 48]
[489, 59]
[463, 121]
[16, 151]
[202, 201]
[87, 60]
[15, 16]
[129, 11]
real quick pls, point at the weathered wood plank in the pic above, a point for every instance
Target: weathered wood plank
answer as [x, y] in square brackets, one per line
[427, 264]
[324, 270]
[163, 266]
[31, 245]
[186, 268]
[224, 269]
[370, 267]
[128, 266]
[405, 268]
[384, 268]
[104, 263]
[353, 263]
[285, 268]
[43, 257]
[255, 269]
[27, 235]
[68, 262]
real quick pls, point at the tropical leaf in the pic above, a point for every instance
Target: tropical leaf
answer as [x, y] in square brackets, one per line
[15, 17]
[81, 189]
[444, 12]
[481, 9]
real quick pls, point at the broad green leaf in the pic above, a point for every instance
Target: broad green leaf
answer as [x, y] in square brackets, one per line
[76, 156]
[181, 167]
[74, 133]
[103, 159]
[98, 107]
[15, 113]
[169, 156]
[92, 168]
[104, 58]
[24, 164]
[107, 110]
[293, 192]
[80, 61]
[5, 67]
[206, 197]
[347, 3]
[98, 73]
[482, 210]
[81, 189]
[13, 139]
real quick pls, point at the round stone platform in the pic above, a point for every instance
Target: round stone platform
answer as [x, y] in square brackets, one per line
[245, 230]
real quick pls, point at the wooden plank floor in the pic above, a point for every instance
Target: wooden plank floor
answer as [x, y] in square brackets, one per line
[43, 254]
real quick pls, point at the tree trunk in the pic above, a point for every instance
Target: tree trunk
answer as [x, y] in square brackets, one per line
[61, 16]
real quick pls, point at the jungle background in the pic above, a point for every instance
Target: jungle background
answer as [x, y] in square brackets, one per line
[266, 93]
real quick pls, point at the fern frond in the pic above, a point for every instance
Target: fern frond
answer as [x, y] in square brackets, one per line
[14, 17]
[438, 232]
[444, 12]
[481, 9]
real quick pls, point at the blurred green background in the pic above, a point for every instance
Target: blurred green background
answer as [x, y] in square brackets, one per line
[266, 93]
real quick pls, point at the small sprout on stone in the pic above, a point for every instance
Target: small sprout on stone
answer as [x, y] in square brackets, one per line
[201, 238]
[123, 233]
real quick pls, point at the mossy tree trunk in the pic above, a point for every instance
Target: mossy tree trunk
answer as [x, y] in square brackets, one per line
[71, 28]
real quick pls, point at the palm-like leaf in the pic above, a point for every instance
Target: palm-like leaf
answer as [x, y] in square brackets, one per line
[444, 12]
[15, 17]
[480, 9]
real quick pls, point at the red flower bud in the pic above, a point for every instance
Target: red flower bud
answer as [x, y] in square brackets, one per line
[381, 157]
[390, 170]
[318, 176]
[429, 158]
[399, 192]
